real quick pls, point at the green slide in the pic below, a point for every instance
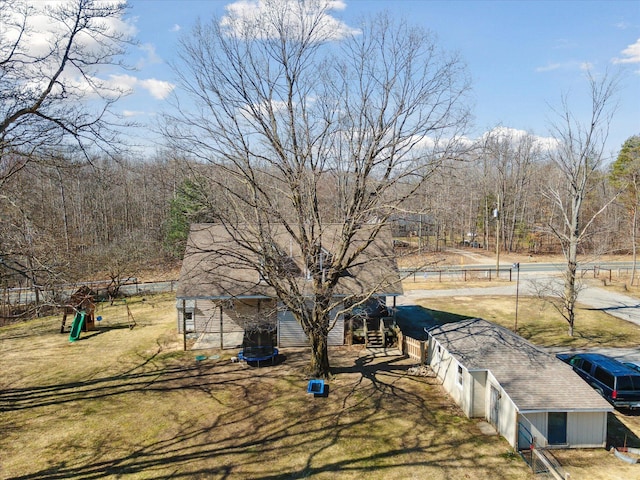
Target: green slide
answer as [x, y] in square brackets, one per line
[76, 328]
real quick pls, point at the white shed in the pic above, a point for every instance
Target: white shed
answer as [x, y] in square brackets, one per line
[528, 395]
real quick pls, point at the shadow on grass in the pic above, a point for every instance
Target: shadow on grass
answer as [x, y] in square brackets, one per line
[618, 434]
[413, 319]
[268, 418]
[163, 378]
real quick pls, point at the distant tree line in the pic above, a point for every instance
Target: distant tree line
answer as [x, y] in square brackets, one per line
[66, 219]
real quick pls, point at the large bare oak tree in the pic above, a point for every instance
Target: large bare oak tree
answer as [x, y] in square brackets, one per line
[308, 122]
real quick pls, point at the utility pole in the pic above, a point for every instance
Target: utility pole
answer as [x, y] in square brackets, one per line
[517, 267]
[496, 215]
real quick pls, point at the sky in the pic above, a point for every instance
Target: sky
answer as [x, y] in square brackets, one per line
[522, 55]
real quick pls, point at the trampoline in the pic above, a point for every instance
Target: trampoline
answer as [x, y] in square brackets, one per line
[258, 354]
[258, 347]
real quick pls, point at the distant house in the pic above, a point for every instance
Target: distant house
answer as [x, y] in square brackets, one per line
[220, 294]
[528, 395]
[412, 224]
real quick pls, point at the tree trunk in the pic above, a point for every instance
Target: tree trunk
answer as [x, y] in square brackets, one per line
[634, 226]
[570, 294]
[570, 288]
[319, 365]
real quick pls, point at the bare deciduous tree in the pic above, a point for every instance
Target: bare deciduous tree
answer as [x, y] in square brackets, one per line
[312, 122]
[51, 93]
[578, 157]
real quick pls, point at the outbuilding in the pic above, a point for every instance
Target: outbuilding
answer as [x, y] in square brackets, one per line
[528, 395]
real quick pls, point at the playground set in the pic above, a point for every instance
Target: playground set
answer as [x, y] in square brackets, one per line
[83, 307]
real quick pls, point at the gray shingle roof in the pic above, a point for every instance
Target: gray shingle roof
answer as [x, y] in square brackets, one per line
[533, 379]
[215, 266]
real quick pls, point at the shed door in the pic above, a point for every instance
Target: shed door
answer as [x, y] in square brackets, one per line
[494, 408]
[557, 428]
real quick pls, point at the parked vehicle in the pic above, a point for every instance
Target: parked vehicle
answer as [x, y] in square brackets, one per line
[615, 381]
[634, 365]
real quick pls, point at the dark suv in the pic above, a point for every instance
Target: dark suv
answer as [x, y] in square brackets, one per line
[615, 381]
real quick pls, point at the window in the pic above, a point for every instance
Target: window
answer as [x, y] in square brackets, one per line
[459, 376]
[604, 376]
[628, 383]
[586, 366]
[188, 323]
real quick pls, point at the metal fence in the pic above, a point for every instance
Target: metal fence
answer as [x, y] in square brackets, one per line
[541, 460]
[23, 302]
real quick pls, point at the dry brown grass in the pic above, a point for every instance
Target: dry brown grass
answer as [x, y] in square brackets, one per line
[543, 325]
[124, 403]
[539, 322]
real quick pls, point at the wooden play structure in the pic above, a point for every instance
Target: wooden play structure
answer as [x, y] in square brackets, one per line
[81, 303]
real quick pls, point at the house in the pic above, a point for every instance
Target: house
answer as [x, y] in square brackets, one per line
[528, 395]
[221, 294]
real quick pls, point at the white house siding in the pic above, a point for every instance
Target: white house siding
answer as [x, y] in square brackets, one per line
[536, 424]
[479, 381]
[587, 429]
[290, 333]
[223, 319]
[446, 368]
[584, 429]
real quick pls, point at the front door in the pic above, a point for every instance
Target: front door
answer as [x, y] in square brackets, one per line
[494, 407]
[557, 428]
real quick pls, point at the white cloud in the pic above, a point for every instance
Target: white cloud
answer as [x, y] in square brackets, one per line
[132, 113]
[175, 28]
[502, 133]
[40, 39]
[151, 56]
[631, 54]
[258, 17]
[41, 30]
[568, 65]
[157, 88]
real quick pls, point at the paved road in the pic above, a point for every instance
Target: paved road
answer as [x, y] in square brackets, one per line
[618, 305]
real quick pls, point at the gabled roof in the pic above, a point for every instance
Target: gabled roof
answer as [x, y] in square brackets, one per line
[533, 379]
[214, 265]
